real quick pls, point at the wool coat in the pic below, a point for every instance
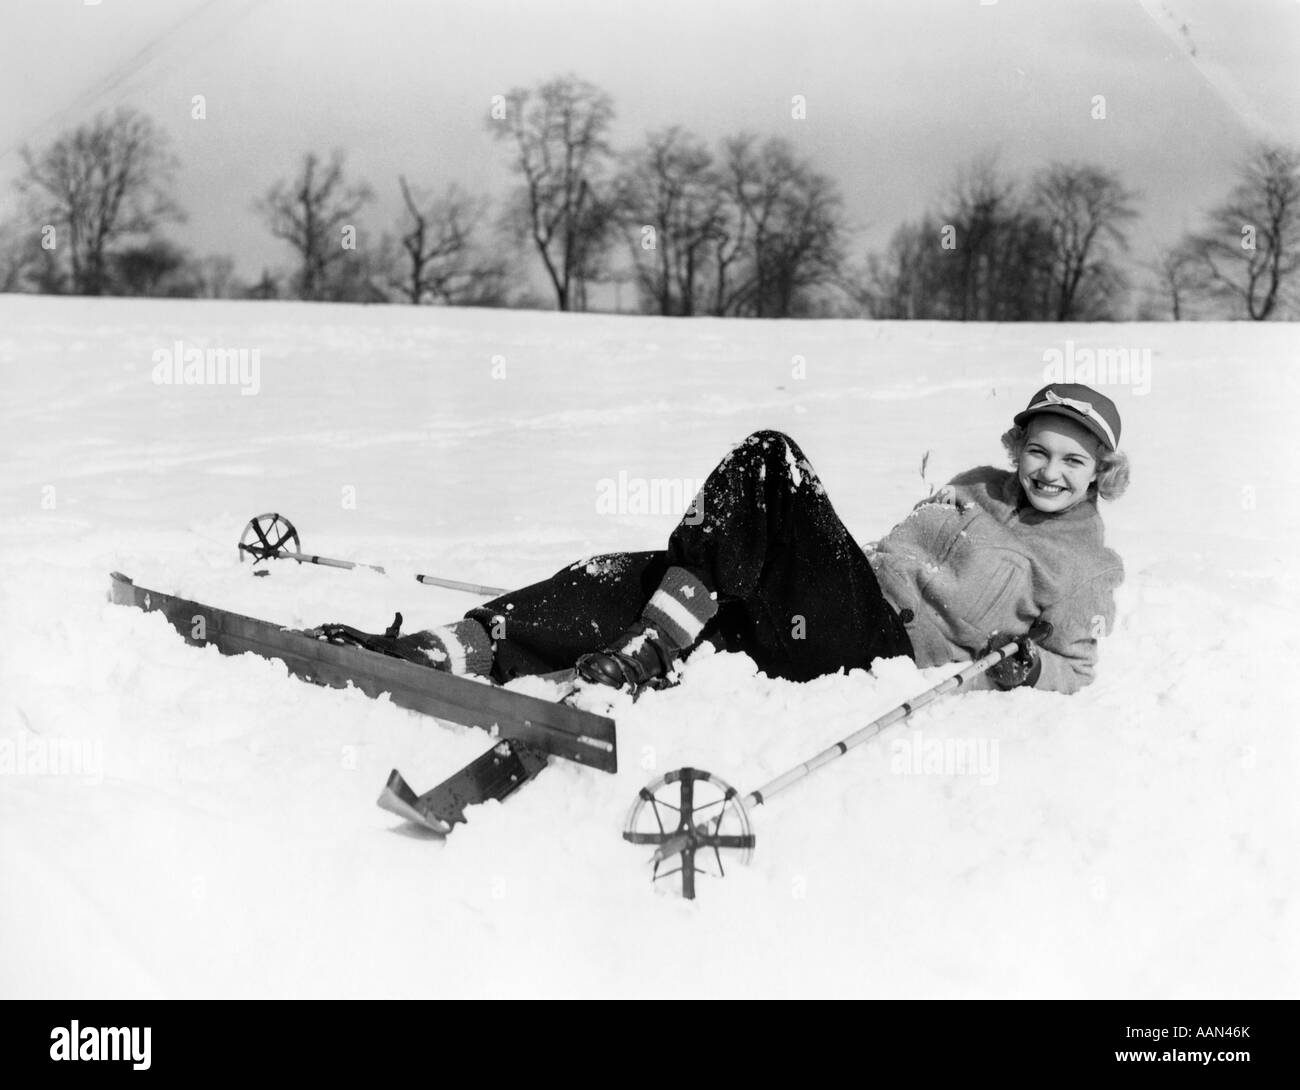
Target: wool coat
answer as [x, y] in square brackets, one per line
[980, 559]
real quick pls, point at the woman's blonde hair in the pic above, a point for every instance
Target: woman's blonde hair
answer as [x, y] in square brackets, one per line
[1112, 465]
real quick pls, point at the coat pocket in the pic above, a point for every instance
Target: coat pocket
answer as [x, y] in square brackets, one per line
[995, 597]
[942, 527]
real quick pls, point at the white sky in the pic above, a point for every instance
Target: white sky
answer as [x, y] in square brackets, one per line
[900, 92]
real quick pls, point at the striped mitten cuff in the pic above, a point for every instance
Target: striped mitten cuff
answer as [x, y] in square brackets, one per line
[680, 608]
[463, 647]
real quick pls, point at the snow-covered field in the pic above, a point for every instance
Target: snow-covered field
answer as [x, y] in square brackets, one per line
[220, 834]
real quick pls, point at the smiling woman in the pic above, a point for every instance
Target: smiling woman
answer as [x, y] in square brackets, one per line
[995, 551]
[763, 565]
[1063, 443]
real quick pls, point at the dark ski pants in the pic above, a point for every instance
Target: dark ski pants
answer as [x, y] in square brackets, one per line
[794, 590]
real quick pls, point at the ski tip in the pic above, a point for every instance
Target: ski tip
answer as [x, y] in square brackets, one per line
[397, 798]
[398, 786]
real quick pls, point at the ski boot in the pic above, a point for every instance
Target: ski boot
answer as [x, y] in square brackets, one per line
[460, 648]
[641, 658]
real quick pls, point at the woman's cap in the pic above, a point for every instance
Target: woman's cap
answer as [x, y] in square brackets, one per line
[1079, 403]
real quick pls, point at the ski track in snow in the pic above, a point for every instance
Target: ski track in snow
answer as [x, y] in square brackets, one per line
[1136, 839]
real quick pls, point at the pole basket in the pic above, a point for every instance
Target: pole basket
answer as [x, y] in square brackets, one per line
[697, 823]
[265, 537]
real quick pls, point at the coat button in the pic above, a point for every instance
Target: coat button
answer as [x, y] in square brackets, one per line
[906, 616]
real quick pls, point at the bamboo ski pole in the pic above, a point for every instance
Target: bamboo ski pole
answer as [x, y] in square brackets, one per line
[1039, 631]
[271, 537]
[427, 580]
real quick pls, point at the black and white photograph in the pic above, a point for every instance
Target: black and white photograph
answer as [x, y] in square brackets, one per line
[559, 499]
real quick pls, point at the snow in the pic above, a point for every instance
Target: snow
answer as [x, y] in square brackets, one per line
[220, 835]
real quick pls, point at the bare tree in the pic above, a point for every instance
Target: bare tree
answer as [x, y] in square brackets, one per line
[1001, 254]
[103, 182]
[593, 238]
[985, 255]
[23, 264]
[786, 228]
[1086, 209]
[1179, 277]
[894, 284]
[670, 201]
[1251, 246]
[980, 199]
[310, 212]
[437, 246]
[992, 254]
[560, 150]
[729, 240]
[802, 248]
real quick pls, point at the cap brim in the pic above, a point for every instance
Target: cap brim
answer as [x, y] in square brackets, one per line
[1021, 419]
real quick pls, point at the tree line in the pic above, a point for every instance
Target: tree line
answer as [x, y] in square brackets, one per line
[749, 228]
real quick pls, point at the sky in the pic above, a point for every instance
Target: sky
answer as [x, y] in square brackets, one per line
[899, 93]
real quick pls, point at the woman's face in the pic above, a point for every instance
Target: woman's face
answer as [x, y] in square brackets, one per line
[1057, 464]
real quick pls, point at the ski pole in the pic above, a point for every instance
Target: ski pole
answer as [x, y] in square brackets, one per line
[265, 537]
[691, 835]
